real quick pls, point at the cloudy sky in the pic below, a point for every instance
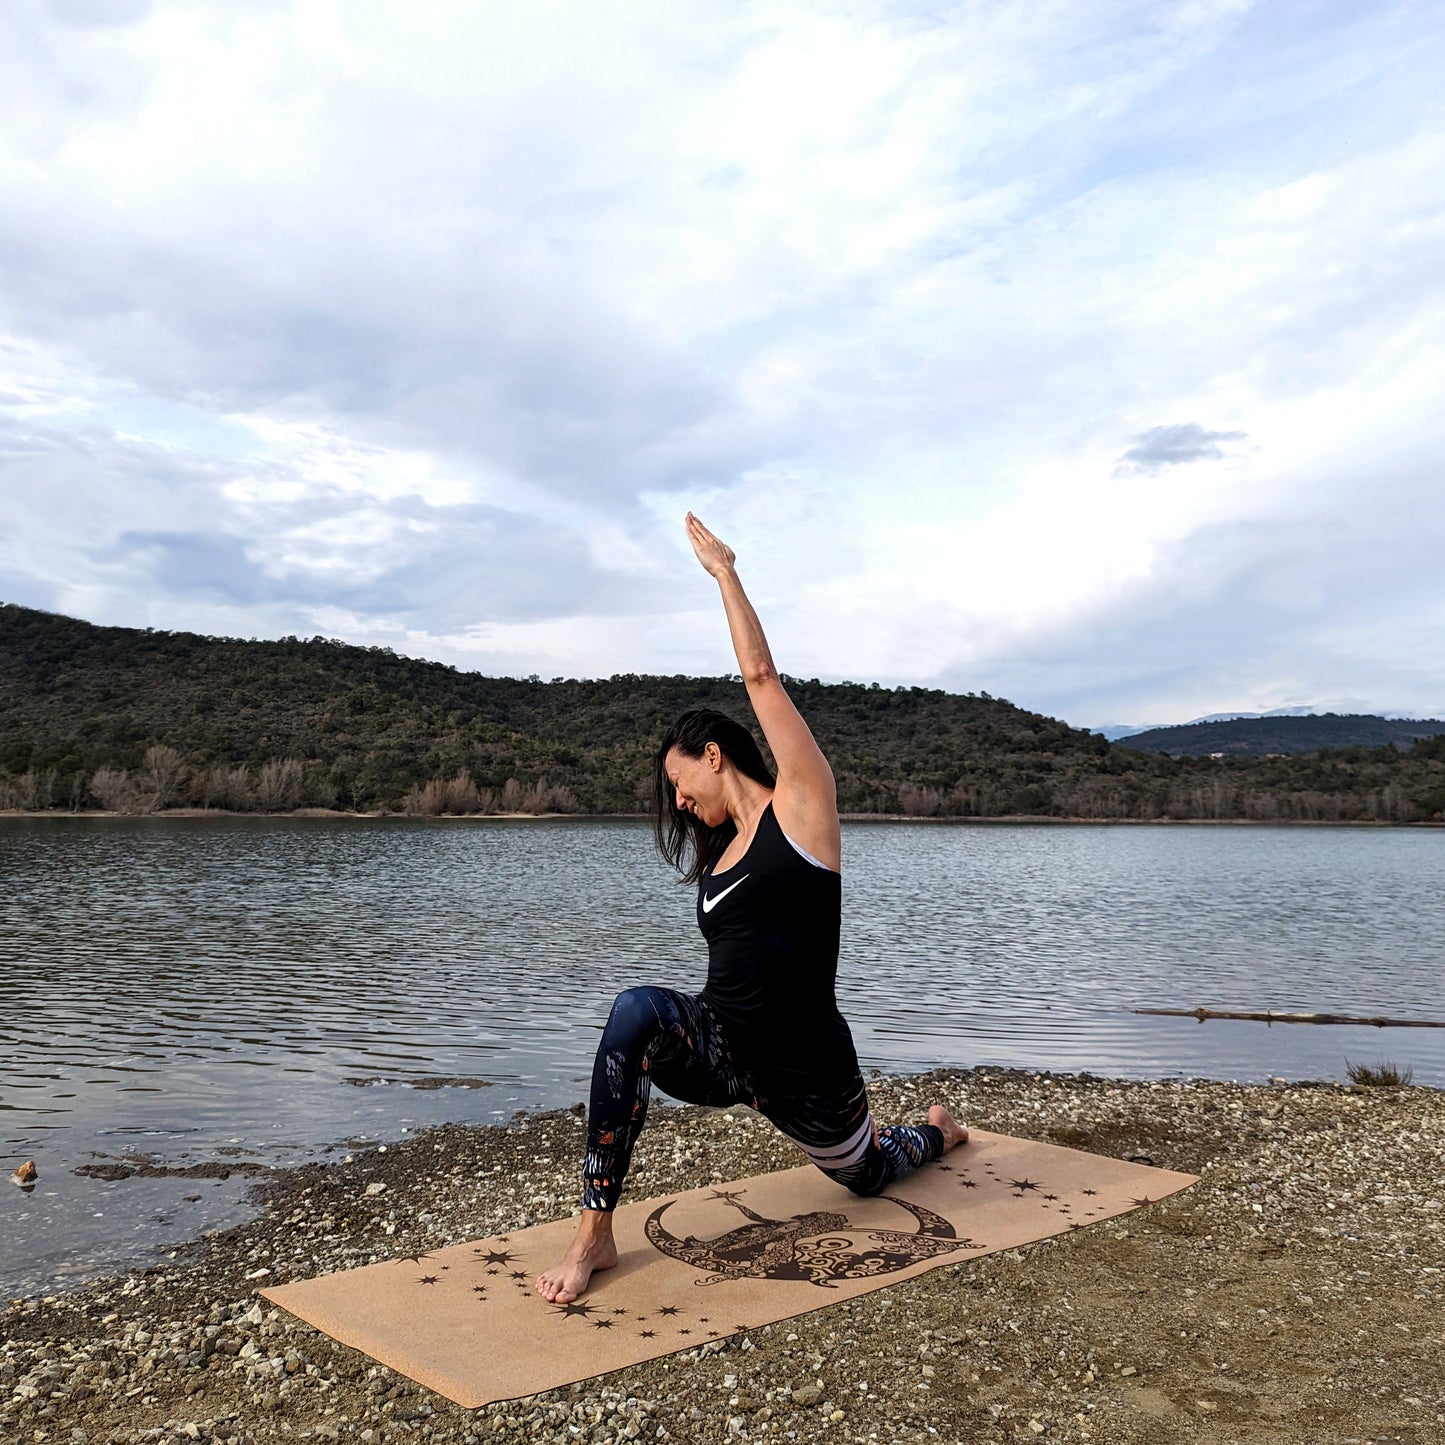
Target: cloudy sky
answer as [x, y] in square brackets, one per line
[1090, 352]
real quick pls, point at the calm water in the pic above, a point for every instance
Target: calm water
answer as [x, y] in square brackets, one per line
[194, 991]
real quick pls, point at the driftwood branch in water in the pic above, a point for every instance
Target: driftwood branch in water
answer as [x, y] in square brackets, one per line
[1272, 1018]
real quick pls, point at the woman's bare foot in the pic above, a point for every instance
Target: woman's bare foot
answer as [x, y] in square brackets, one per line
[953, 1132]
[592, 1249]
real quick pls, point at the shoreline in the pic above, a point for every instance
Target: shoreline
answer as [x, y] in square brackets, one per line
[1013, 819]
[1239, 1305]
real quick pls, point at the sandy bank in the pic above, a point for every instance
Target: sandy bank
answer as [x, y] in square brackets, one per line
[1293, 1295]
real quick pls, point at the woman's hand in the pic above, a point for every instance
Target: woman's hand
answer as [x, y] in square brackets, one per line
[715, 555]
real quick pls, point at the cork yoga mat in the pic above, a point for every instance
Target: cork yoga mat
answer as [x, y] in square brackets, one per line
[465, 1321]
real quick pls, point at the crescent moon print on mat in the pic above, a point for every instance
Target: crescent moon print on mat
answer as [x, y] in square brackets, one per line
[819, 1248]
[768, 1248]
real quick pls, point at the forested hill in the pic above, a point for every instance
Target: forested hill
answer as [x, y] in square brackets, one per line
[1258, 737]
[139, 720]
[75, 697]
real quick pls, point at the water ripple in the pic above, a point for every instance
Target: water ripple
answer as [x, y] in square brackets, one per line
[215, 983]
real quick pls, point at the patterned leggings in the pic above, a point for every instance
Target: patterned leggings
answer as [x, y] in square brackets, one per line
[655, 1035]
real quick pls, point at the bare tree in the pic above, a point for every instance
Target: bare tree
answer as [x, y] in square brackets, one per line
[444, 795]
[461, 794]
[915, 801]
[115, 790]
[228, 787]
[426, 801]
[555, 798]
[33, 791]
[160, 774]
[542, 797]
[278, 787]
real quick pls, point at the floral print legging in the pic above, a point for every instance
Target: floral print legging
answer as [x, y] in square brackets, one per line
[675, 1040]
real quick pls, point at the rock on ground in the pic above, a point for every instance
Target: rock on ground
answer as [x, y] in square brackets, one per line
[1294, 1295]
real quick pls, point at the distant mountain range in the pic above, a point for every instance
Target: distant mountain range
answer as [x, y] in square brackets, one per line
[1260, 735]
[1115, 731]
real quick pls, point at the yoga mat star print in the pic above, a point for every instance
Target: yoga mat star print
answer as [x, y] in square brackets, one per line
[465, 1321]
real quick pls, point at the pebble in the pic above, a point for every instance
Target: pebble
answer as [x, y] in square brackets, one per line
[1344, 1247]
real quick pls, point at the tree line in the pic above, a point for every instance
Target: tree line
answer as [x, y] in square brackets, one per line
[137, 720]
[280, 785]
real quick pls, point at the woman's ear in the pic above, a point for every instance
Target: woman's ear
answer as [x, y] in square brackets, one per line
[713, 754]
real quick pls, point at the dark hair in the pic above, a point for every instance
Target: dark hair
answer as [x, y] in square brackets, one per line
[683, 838]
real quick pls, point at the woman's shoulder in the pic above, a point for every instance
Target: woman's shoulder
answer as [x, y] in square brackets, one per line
[812, 829]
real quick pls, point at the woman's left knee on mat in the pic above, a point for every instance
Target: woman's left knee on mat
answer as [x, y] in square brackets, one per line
[866, 1182]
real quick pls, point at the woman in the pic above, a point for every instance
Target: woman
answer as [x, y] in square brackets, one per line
[766, 1030]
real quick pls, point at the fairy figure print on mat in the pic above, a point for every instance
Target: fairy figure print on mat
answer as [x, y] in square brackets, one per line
[765, 851]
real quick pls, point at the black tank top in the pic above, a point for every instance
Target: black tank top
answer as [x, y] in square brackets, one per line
[771, 922]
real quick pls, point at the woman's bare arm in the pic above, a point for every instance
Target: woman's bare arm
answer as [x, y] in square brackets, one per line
[806, 801]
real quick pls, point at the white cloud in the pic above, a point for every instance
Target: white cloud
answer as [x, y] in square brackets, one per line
[1084, 352]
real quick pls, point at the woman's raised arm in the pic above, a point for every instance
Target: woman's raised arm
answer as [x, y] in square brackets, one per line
[806, 801]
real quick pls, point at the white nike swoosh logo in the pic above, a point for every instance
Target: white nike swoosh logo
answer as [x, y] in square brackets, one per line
[708, 904]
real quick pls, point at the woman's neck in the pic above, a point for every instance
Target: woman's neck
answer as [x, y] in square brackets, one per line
[747, 803]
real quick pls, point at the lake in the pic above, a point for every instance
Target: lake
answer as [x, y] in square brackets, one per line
[213, 992]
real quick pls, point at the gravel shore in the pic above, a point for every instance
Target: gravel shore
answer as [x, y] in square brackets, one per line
[1295, 1294]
